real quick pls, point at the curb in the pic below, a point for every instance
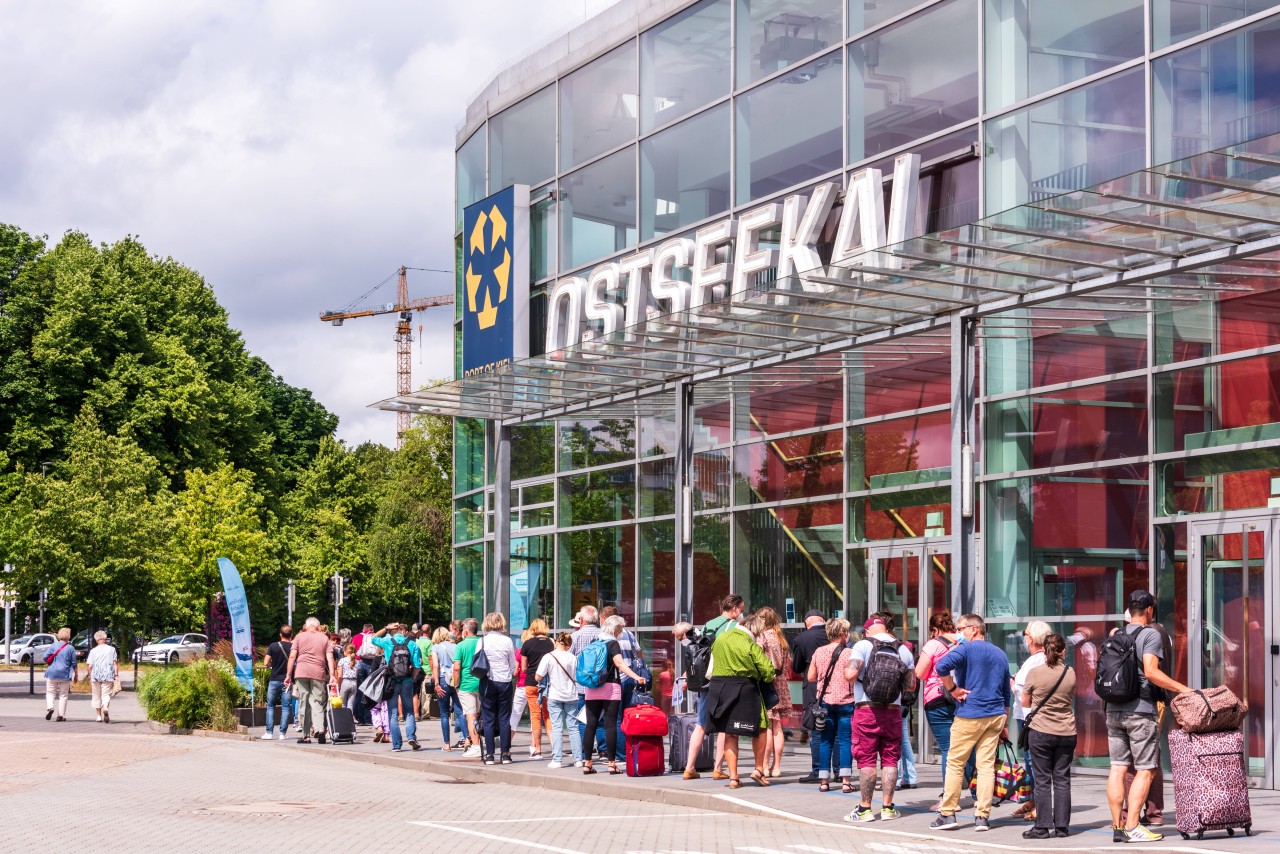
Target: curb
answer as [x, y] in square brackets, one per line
[170, 729]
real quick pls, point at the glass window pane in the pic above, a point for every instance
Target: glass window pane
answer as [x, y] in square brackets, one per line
[657, 487]
[533, 450]
[533, 570]
[1018, 358]
[789, 129]
[710, 565]
[596, 443]
[657, 603]
[865, 14]
[799, 467]
[468, 582]
[924, 381]
[712, 480]
[601, 496]
[767, 406]
[468, 454]
[913, 79]
[468, 518]
[775, 34]
[657, 436]
[1175, 20]
[597, 567]
[542, 236]
[470, 172]
[950, 175]
[1075, 140]
[598, 106]
[1213, 406]
[1227, 324]
[684, 63]
[1036, 46]
[901, 515]
[684, 173]
[598, 210]
[522, 141]
[1218, 93]
[792, 553]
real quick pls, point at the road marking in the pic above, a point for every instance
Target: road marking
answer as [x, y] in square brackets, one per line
[815, 849]
[578, 818]
[517, 844]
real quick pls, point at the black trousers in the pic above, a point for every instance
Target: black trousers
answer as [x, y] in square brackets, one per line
[495, 715]
[602, 713]
[1051, 757]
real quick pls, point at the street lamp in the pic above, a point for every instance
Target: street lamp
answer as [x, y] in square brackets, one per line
[44, 466]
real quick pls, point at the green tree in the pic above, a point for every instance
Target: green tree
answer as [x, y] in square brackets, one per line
[219, 514]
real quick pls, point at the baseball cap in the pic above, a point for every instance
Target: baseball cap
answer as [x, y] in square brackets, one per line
[872, 621]
[813, 613]
[1141, 599]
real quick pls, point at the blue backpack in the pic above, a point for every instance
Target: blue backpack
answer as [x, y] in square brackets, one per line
[593, 663]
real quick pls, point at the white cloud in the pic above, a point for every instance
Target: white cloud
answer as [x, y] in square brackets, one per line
[292, 152]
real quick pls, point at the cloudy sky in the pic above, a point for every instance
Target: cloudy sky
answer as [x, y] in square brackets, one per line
[295, 153]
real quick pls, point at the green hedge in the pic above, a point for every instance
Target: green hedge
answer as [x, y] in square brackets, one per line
[200, 695]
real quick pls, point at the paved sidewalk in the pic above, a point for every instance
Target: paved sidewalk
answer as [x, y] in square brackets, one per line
[786, 799]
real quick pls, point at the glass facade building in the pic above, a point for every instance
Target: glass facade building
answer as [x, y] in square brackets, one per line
[1100, 444]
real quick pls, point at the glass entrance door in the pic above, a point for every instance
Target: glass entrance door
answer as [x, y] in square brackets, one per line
[912, 582]
[1231, 624]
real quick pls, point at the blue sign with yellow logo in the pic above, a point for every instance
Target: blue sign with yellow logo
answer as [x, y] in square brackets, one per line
[495, 276]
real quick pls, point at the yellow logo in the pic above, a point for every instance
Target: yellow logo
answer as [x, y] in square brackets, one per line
[488, 315]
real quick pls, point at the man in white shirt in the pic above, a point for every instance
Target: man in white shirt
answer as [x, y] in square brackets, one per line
[877, 716]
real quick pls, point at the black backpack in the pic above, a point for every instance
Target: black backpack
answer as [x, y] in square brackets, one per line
[401, 661]
[885, 674]
[1118, 678]
[699, 659]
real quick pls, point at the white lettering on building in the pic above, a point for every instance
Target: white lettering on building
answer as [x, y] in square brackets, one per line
[730, 256]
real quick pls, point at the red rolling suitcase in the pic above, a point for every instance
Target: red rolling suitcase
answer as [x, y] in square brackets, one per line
[1210, 782]
[645, 756]
[644, 720]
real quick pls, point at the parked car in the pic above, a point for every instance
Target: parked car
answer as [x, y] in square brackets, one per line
[173, 649]
[30, 648]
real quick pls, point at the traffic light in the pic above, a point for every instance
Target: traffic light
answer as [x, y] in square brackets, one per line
[342, 590]
[332, 595]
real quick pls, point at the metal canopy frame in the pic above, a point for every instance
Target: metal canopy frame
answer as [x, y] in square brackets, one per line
[1140, 238]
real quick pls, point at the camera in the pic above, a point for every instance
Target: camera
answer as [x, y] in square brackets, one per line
[820, 720]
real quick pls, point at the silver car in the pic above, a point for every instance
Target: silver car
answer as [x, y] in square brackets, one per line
[30, 648]
[173, 649]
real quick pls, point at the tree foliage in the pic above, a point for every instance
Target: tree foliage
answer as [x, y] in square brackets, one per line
[140, 441]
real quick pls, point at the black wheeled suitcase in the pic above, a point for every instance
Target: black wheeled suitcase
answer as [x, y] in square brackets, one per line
[681, 731]
[341, 725]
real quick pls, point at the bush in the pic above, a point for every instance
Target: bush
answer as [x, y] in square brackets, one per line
[201, 695]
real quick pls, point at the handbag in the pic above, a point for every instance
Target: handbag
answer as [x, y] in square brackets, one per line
[1208, 710]
[480, 663]
[768, 694]
[1024, 734]
[377, 685]
[116, 687]
[815, 714]
[1012, 782]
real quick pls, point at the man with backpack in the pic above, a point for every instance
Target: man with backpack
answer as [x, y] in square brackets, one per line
[1130, 679]
[403, 662]
[731, 608]
[976, 674]
[882, 667]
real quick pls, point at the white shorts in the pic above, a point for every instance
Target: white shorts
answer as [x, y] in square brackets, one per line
[470, 702]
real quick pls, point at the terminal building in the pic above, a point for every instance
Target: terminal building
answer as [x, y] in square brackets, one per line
[855, 305]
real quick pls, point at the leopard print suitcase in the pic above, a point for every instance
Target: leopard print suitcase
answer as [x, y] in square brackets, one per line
[1210, 784]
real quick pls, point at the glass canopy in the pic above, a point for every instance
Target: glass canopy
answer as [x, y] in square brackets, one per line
[1178, 232]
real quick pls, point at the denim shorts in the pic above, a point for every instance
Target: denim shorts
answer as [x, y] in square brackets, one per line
[1133, 739]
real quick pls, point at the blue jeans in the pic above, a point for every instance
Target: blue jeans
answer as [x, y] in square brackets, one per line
[836, 736]
[275, 694]
[402, 689]
[561, 713]
[907, 764]
[940, 725]
[449, 704]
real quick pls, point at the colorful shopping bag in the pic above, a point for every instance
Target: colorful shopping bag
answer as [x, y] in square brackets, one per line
[1013, 783]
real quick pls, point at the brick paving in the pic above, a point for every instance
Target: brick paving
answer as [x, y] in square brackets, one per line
[144, 791]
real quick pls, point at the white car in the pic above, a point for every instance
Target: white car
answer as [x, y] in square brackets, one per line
[173, 649]
[30, 648]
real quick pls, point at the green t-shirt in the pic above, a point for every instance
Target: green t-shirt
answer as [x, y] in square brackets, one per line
[424, 647]
[715, 626]
[466, 652]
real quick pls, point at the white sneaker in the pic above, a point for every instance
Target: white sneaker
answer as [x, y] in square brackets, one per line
[577, 763]
[267, 736]
[555, 764]
[472, 752]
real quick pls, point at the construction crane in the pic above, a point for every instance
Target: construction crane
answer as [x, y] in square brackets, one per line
[405, 307]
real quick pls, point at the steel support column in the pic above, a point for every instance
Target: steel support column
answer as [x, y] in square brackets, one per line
[684, 500]
[964, 559]
[502, 521]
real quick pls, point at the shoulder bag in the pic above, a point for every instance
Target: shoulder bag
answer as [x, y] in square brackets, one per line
[1024, 734]
[480, 662]
[815, 714]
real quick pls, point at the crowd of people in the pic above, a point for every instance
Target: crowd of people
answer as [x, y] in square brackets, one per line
[858, 688]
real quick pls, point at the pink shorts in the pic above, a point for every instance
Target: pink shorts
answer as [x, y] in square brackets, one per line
[877, 731]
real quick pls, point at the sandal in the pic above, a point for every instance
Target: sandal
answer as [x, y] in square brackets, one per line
[587, 769]
[735, 783]
[759, 778]
[613, 768]
[846, 788]
[824, 786]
